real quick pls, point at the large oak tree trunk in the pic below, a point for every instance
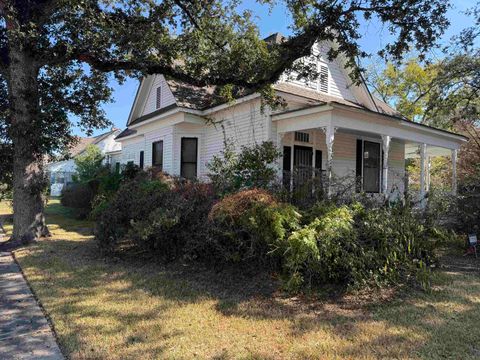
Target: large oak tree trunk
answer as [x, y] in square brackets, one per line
[28, 175]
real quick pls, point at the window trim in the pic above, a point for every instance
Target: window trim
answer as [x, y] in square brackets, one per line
[196, 154]
[154, 163]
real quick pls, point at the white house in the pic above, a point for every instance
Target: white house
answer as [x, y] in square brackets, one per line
[61, 172]
[330, 125]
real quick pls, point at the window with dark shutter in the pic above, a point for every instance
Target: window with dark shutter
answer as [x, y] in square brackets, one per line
[287, 158]
[324, 78]
[358, 166]
[159, 98]
[189, 152]
[157, 154]
[318, 159]
[141, 159]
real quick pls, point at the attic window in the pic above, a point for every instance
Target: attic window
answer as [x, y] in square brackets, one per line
[324, 78]
[159, 98]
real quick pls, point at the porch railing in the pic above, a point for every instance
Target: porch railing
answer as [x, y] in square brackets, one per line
[305, 183]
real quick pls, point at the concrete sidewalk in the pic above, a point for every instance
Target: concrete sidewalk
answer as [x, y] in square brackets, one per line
[24, 330]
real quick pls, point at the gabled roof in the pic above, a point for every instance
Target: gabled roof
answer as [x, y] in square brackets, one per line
[203, 98]
[275, 38]
[80, 146]
[193, 97]
[125, 133]
[83, 142]
[312, 94]
[197, 98]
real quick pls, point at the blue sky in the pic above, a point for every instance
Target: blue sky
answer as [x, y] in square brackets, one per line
[374, 38]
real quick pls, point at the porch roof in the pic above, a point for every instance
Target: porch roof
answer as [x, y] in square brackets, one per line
[364, 120]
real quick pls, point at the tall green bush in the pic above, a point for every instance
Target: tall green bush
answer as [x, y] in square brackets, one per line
[252, 167]
[356, 246]
[88, 164]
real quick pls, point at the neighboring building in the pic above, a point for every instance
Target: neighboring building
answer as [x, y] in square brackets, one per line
[61, 172]
[330, 125]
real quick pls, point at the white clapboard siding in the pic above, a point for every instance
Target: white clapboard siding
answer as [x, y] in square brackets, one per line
[243, 125]
[131, 151]
[167, 97]
[114, 159]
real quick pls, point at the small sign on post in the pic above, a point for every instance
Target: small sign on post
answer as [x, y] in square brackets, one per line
[472, 244]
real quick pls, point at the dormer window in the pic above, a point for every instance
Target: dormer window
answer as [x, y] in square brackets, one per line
[159, 98]
[323, 78]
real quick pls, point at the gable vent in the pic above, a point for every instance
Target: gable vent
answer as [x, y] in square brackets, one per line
[159, 97]
[302, 137]
[324, 78]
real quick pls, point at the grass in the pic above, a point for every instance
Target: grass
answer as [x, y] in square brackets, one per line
[127, 309]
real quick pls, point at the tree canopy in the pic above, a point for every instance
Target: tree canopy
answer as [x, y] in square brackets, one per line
[406, 87]
[445, 94]
[56, 56]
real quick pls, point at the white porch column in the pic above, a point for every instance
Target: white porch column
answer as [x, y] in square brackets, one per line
[329, 139]
[423, 155]
[386, 139]
[427, 174]
[454, 171]
[280, 160]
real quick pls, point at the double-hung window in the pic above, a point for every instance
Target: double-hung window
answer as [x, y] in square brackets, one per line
[157, 154]
[189, 154]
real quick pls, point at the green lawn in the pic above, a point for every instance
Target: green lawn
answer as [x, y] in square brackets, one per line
[128, 309]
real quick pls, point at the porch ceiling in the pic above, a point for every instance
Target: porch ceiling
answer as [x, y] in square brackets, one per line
[412, 151]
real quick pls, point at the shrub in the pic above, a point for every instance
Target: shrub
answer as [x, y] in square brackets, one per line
[178, 225]
[468, 213]
[323, 251]
[78, 196]
[253, 167]
[402, 242]
[355, 246]
[247, 225]
[130, 171]
[350, 244]
[134, 202]
[88, 164]
[156, 214]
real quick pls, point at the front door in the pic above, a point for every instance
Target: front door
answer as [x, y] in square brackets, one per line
[302, 164]
[371, 166]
